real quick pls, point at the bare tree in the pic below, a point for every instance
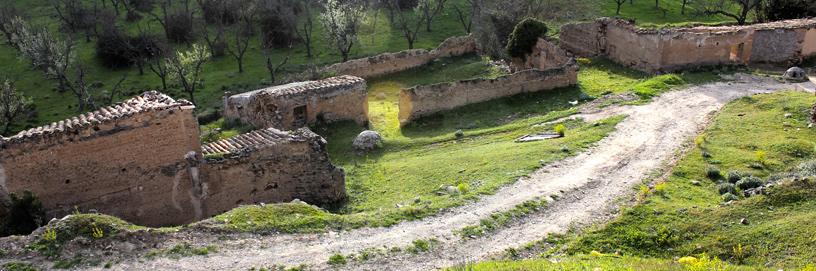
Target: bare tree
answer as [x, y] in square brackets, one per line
[683, 7]
[726, 7]
[12, 105]
[430, 9]
[177, 22]
[185, 67]
[109, 96]
[75, 16]
[619, 3]
[306, 27]
[466, 19]
[273, 68]
[342, 19]
[243, 32]
[159, 67]
[409, 23]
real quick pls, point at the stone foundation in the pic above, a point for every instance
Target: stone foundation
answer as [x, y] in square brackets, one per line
[666, 50]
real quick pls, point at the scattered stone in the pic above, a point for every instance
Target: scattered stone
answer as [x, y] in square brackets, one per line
[459, 134]
[367, 140]
[788, 115]
[695, 182]
[744, 221]
[795, 74]
[452, 190]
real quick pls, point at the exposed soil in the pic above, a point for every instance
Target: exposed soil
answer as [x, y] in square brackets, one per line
[589, 187]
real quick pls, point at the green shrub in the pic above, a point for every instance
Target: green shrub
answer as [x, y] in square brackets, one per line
[795, 148]
[560, 129]
[18, 266]
[525, 36]
[337, 259]
[733, 176]
[729, 197]
[725, 188]
[25, 215]
[749, 182]
[713, 172]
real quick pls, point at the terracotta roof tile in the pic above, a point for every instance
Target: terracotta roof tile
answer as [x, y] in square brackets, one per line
[148, 101]
[254, 139]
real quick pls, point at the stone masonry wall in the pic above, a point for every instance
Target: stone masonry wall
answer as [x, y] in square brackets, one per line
[427, 100]
[665, 50]
[283, 167]
[388, 63]
[333, 99]
[141, 160]
[130, 167]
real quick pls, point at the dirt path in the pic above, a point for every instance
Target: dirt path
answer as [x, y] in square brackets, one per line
[588, 186]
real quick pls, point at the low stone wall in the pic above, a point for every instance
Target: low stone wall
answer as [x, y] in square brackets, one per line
[665, 50]
[388, 63]
[427, 100]
[296, 105]
[271, 166]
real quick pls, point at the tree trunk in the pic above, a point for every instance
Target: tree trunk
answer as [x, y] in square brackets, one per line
[240, 64]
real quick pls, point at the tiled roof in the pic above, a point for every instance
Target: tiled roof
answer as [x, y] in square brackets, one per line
[311, 86]
[148, 101]
[256, 138]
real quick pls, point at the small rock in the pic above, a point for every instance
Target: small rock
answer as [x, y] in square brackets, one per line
[744, 221]
[795, 74]
[788, 115]
[695, 182]
[452, 190]
[367, 140]
[459, 134]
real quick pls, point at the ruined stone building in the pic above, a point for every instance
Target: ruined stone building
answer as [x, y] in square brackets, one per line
[299, 104]
[141, 160]
[665, 50]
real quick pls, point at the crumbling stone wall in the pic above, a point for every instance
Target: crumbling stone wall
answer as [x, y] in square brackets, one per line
[427, 100]
[546, 67]
[270, 165]
[388, 63]
[296, 105]
[545, 55]
[141, 160]
[665, 50]
[124, 160]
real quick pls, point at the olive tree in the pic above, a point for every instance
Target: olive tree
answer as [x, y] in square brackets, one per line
[185, 67]
[341, 20]
[12, 105]
[739, 10]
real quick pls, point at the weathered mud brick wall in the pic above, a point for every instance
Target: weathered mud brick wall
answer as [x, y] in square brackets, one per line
[547, 67]
[296, 105]
[663, 50]
[388, 63]
[269, 165]
[125, 160]
[427, 100]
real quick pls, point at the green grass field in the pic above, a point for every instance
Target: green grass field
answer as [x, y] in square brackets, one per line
[678, 218]
[606, 262]
[220, 75]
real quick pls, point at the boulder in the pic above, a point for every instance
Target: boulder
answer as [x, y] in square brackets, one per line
[795, 74]
[367, 140]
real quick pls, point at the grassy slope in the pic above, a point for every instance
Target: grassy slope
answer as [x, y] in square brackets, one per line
[221, 75]
[420, 158]
[601, 262]
[685, 219]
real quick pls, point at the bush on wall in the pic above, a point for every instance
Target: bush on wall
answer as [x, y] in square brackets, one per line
[525, 36]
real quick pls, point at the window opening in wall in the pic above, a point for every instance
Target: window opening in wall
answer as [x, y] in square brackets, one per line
[736, 52]
[299, 116]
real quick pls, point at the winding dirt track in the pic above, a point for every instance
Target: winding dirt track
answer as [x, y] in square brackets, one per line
[588, 186]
